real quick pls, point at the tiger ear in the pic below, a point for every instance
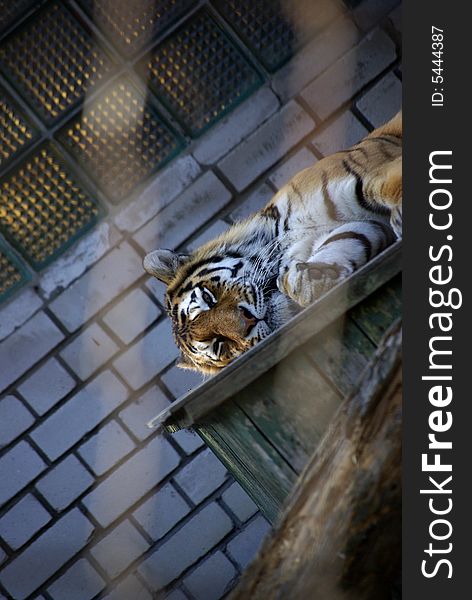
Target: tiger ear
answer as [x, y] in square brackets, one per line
[163, 264]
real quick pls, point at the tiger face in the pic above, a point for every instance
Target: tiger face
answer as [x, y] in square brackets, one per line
[217, 308]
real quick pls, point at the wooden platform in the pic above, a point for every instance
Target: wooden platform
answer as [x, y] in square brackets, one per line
[264, 414]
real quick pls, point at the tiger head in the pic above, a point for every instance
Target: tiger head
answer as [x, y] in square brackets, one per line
[220, 305]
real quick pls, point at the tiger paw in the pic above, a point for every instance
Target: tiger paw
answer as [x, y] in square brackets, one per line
[320, 270]
[305, 282]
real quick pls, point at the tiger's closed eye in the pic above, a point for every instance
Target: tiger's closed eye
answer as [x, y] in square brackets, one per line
[208, 298]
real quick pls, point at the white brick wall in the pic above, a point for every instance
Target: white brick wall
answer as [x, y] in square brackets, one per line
[267, 145]
[350, 73]
[173, 225]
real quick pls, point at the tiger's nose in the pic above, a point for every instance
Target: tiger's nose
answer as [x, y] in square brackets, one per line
[248, 319]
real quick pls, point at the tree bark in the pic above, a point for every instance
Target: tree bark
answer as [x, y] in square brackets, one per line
[340, 535]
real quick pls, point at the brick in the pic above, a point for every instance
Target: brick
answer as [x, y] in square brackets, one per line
[125, 486]
[28, 344]
[89, 351]
[350, 74]
[383, 101]
[103, 282]
[369, 12]
[180, 381]
[132, 315]
[79, 415]
[161, 512]
[18, 467]
[157, 289]
[46, 555]
[14, 419]
[22, 521]
[210, 233]
[266, 146]
[18, 311]
[296, 163]
[46, 386]
[71, 265]
[117, 550]
[130, 588]
[188, 440]
[202, 476]
[148, 356]
[253, 203]
[80, 582]
[137, 415]
[64, 483]
[107, 447]
[239, 502]
[243, 548]
[163, 189]
[238, 125]
[176, 595]
[3, 557]
[343, 133]
[185, 215]
[186, 546]
[315, 57]
[212, 579]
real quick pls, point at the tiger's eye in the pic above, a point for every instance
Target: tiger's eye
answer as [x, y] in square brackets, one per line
[208, 299]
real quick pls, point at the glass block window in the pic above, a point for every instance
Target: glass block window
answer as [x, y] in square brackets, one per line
[119, 139]
[130, 25]
[273, 29]
[53, 60]
[199, 73]
[12, 273]
[112, 90]
[12, 10]
[43, 208]
[16, 131]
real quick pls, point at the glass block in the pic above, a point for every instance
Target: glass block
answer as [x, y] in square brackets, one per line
[12, 273]
[198, 73]
[130, 25]
[11, 11]
[119, 139]
[42, 207]
[53, 61]
[17, 132]
[274, 29]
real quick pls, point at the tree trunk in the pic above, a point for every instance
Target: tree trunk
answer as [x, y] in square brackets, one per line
[340, 536]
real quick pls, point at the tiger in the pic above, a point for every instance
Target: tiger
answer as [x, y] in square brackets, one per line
[324, 224]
